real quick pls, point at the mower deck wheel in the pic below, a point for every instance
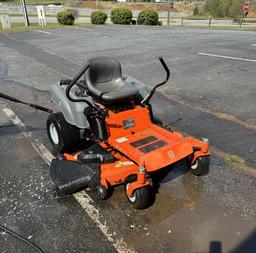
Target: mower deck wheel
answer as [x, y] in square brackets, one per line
[62, 135]
[102, 192]
[200, 166]
[141, 197]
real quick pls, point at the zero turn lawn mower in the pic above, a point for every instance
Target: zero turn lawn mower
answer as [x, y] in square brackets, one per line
[110, 115]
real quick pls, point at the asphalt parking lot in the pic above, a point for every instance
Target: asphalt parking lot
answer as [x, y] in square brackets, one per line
[212, 89]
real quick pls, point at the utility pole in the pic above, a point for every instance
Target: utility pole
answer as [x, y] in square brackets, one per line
[24, 10]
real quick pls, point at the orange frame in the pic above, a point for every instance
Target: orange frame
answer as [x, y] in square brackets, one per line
[129, 158]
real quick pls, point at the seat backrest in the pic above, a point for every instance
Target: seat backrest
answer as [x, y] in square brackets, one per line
[103, 70]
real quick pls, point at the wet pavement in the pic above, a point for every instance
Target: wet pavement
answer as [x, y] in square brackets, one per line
[213, 213]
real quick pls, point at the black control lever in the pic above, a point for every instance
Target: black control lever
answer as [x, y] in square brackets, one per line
[150, 95]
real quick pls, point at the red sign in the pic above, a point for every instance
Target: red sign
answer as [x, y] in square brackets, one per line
[246, 7]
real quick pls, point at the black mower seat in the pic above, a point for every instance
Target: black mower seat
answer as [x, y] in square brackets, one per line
[104, 81]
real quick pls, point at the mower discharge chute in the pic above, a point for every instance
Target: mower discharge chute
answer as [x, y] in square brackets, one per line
[109, 114]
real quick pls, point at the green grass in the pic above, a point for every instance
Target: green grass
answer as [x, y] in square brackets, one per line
[16, 27]
[219, 27]
[234, 159]
[48, 15]
[199, 16]
[30, 15]
[20, 27]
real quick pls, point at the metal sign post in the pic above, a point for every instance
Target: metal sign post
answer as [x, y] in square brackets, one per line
[169, 10]
[170, 7]
[5, 20]
[41, 15]
[24, 10]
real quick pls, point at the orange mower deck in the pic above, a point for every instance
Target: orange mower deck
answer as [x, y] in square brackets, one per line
[145, 145]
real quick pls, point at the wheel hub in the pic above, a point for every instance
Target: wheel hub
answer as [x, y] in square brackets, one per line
[132, 198]
[195, 165]
[54, 134]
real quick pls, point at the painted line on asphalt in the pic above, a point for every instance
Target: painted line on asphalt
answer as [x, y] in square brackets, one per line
[39, 31]
[253, 44]
[228, 57]
[219, 115]
[82, 197]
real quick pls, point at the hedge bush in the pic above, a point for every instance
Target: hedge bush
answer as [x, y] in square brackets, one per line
[147, 17]
[224, 8]
[160, 22]
[65, 18]
[195, 11]
[74, 12]
[98, 17]
[121, 16]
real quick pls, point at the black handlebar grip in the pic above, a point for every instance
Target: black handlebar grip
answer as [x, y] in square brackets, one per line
[9, 98]
[165, 67]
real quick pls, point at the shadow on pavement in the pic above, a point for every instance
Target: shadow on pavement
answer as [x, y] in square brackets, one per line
[248, 245]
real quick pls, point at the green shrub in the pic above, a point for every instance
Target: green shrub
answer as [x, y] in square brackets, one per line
[65, 18]
[195, 11]
[236, 9]
[122, 16]
[98, 17]
[215, 7]
[147, 17]
[224, 8]
[74, 12]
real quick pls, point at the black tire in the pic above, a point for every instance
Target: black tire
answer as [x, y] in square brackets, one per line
[68, 136]
[141, 197]
[200, 166]
[102, 192]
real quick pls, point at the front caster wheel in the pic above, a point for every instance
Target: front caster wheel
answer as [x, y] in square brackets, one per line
[200, 166]
[141, 197]
[102, 192]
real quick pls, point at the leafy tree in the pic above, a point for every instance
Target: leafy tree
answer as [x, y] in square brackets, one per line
[223, 8]
[236, 9]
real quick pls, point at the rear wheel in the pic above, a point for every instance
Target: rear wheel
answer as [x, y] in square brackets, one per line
[200, 166]
[62, 135]
[141, 197]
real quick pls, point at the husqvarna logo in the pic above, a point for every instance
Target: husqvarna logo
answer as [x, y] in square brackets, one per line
[170, 154]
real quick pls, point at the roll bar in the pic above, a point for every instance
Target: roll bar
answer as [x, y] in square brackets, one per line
[73, 82]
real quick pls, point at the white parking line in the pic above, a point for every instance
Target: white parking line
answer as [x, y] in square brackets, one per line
[253, 44]
[82, 197]
[39, 31]
[228, 57]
